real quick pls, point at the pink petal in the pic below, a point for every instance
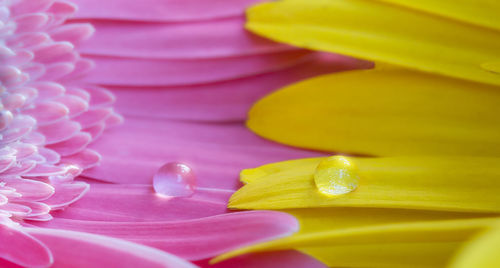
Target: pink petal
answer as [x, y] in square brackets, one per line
[195, 40]
[51, 157]
[96, 130]
[53, 52]
[49, 90]
[93, 117]
[56, 71]
[224, 101]
[73, 33]
[47, 112]
[30, 190]
[28, 40]
[100, 97]
[59, 131]
[72, 145]
[21, 7]
[164, 10]
[37, 208]
[215, 152]
[75, 104]
[75, 249]
[194, 239]
[144, 72]
[20, 168]
[136, 203]
[84, 159]
[22, 248]
[20, 126]
[31, 22]
[66, 193]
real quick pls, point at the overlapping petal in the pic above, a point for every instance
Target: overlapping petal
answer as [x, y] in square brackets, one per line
[392, 33]
[383, 112]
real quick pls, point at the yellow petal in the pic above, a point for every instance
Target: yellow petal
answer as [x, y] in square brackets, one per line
[481, 252]
[479, 12]
[397, 239]
[383, 112]
[418, 182]
[379, 31]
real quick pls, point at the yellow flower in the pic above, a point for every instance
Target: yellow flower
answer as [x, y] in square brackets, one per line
[429, 121]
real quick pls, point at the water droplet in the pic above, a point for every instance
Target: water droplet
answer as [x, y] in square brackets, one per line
[493, 67]
[174, 180]
[336, 175]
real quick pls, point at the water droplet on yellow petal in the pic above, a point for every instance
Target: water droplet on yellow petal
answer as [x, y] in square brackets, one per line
[493, 67]
[336, 176]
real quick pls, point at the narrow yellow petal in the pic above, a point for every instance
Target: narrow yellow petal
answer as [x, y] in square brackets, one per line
[379, 31]
[383, 112]
[447, 234]
[481, 252]
[479, 12]
[418, 182]
[391, 255]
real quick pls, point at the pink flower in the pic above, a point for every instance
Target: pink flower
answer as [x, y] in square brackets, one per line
[184, 73]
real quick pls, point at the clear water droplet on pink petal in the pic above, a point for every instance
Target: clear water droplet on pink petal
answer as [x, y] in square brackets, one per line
[174, 180]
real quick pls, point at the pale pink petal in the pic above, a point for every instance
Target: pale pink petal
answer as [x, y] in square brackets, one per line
[75, 105]
[66, 193]
[74, 33]
[30, 190]
[194, 239]
[49, 90]
[31, 22]
[47, 112]
[51, 157]
[96, 130]
[22, 248]
[195, 40]
[100, 97]
[93, 117]
[56, 71]
[59, 131]
[84, 159]
[164, 10]
[72, 145]
[75, 249]
[28, 40]
[21, 7]
[144, 72]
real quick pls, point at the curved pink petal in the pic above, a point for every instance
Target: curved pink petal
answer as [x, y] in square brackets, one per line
[194, 40]
[84, 159]
[30, 190]
[66, 193]
[194, 239]
[215, 152]
[164, 10]
[75, 249]
[48, 112]
[59, 131]
[23, 249]
[72, 145]
[168, 72]
[138, 203]
[224, 101]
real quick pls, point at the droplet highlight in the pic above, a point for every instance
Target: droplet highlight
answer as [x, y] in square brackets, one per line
[336, 176]
[174, 180]
[493, 66]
